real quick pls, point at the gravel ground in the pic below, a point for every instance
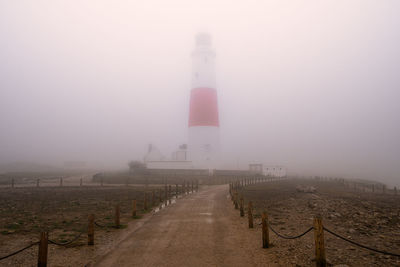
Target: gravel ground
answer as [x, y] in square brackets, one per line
[63, 212]
[369, 218]
[204, 229]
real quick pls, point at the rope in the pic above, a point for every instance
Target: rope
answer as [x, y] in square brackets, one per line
[68, 242]
[290, 237]
[18, 251]
[99, 225]
[362, 246]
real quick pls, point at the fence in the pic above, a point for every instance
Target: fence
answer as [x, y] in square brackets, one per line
[110, 181]
[61, 182]
[353, 185]
[318, 227]
[365, 187]
[44, 240]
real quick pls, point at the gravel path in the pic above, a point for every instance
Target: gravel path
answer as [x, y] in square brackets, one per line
[200, 230]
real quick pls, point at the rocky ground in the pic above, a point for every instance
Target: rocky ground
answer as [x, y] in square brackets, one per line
[369, 218]
[63, 211]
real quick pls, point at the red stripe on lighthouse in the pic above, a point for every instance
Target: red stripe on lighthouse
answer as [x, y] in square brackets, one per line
[203, 107]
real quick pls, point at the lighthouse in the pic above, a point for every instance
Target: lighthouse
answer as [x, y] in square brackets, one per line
[203, 136]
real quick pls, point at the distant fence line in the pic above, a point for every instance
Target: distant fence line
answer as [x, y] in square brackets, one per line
[365, 187]
[100, 182]
[318, 227]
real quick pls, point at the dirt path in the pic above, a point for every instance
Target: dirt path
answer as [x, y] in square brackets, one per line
[200, 230]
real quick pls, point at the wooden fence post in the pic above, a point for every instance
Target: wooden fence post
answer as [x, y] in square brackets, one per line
[176, 191]
[43, 246]
[160, 199]
[101, 181]
[166, 195]
[236, 201]
[91, 230]
[61, 181]
[145, 201]
[241, 206]
[170, 194]
[153, 198]
[320, 260]
[265, 232]
[12, 183]
[81, 182]
[250, 214]
[134, 208]
[395, 190]
[37, 182]
[192, 186]
[117, 214]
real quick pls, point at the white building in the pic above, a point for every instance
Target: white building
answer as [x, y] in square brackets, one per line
[155, 160]
[275, 171]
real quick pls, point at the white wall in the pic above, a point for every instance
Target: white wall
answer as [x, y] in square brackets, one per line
[169, 165]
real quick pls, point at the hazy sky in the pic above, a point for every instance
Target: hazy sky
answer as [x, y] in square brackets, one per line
[312, 85]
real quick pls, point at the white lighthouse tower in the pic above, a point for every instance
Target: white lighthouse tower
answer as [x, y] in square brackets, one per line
[203, 145]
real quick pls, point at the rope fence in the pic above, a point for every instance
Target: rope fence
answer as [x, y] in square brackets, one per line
[149, 203]
[100, 225]
[291, 237]
[68, 242]
[18, 251]
[318, 227]
[360, 245]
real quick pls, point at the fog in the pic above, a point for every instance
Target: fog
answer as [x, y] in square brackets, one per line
[311, 85]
